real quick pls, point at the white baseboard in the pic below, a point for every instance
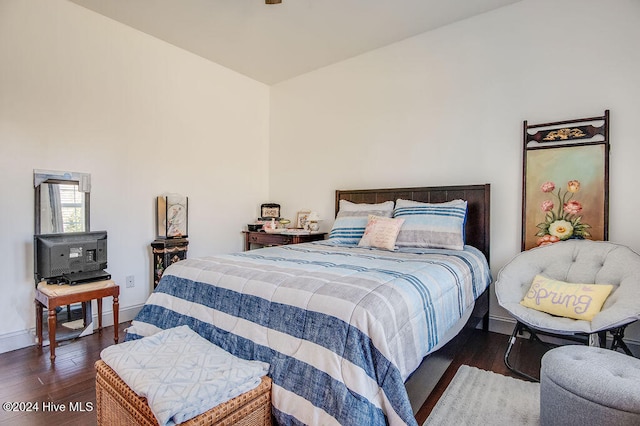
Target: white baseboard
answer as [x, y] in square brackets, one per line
[501, 325]
[16, 340]
[22, 339]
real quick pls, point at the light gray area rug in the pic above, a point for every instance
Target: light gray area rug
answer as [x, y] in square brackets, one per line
[479, 397]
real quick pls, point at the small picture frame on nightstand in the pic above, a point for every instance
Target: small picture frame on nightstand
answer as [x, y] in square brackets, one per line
[301, 218]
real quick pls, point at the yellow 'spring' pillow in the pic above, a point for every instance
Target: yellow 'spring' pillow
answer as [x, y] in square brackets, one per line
[577, 301]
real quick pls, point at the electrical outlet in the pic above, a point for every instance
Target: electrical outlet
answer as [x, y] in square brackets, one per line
[130, 281]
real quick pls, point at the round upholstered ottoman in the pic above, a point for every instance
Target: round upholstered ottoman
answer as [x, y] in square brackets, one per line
[583, 385]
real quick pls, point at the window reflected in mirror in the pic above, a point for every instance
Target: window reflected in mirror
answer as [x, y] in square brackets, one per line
[62, 208]
[61, 202]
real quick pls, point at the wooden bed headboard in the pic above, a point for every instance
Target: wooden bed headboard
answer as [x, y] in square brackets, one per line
[478, 199]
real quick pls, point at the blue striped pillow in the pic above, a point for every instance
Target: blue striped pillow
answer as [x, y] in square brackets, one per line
[352, 219]
[439, 225]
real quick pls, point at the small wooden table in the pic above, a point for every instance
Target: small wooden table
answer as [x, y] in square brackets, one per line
[52, 296]
[267, 239]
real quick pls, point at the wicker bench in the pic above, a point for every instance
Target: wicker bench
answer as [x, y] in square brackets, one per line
[117, 404]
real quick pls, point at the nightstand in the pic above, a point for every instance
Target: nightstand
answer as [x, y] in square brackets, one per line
[265, 239]
[166, 252]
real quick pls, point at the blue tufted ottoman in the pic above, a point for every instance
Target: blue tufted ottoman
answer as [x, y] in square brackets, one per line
[584, 385]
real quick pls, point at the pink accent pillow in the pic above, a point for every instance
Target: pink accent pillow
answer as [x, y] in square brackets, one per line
[381, 232]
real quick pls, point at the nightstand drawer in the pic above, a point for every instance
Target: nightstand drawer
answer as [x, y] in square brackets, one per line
[269, 239]
[264, 239]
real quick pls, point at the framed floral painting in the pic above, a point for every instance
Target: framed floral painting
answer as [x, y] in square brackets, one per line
[565, 181]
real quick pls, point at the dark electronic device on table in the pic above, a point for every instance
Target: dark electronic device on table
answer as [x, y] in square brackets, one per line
[71, 258]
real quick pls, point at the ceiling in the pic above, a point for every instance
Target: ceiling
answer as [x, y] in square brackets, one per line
[272, 43]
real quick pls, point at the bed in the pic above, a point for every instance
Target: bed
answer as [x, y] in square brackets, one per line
[347, 330]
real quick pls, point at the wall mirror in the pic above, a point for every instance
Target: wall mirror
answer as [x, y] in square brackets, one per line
[61, 201]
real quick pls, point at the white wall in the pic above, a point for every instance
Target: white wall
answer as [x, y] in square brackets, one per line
[447, 106]
[80, 92]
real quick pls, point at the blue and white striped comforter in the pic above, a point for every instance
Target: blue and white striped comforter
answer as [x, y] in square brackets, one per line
[342, 327]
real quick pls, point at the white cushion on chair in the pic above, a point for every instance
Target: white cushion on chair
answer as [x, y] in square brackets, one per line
[577, 261]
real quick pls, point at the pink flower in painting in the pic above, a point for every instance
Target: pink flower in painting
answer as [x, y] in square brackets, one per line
[572, 207]
[547, 205]
[548, 239]
[548, 186]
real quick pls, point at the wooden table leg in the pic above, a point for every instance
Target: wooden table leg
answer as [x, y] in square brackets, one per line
[52, 332]
[38, 324]
[50, 299]
[99, 301]
[116, 307]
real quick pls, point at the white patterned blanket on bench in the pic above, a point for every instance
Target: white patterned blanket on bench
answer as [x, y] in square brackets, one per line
[182, 374]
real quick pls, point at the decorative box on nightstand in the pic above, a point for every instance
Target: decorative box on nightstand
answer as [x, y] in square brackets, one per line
[165, 253]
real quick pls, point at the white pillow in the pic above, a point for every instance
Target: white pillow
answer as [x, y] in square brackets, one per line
[352, 219]
[435, 225]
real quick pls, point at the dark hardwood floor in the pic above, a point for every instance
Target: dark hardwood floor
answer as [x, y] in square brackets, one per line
[26, 375]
